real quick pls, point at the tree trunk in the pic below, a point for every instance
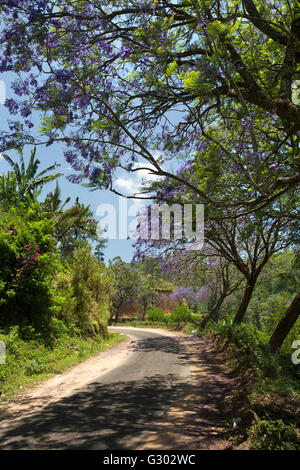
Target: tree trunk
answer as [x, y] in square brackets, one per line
[144, 311]
[245, 302]
[213, 311]
[115, 314]
[285, 325]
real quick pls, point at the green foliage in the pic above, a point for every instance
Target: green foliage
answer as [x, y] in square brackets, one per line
[82, 293]
[199, 307]
[8, 189]
[36, 290]
[277, 287]
[273, 435]
[249, 347]
[29, 262]
[72, 225]
[29, 359]
[24, 182]
[182, 314]
[196, 320]
[156, 314]
[126, 282]
[35, 366]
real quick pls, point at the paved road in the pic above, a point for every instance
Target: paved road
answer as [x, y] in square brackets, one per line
[119, 410]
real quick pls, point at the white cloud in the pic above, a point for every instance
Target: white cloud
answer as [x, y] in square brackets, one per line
[127, 184]
[131, 184]
[144, 174]
[157, 154]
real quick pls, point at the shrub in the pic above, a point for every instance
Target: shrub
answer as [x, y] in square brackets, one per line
[196, 320]
[82, 294]
[29, 261]
[249, 347]
[155, 314]
[182, 314]
[35, 366]
[273, 435]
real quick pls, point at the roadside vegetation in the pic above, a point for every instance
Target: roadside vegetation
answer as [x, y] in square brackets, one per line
[267, 396]
[55, 293]
[32, 358]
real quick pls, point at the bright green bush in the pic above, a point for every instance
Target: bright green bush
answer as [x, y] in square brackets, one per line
[30, 360]
[82, 294]
[35, 366]
[29, 262]
[250, 347]
[181, 314]
[156, 314]
[196, 320]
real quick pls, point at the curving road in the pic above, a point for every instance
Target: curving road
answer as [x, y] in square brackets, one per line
[120, 409]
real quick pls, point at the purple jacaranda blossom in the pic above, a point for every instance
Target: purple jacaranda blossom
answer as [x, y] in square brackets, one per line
[12, 105]
[183, 293]
[125, 52]
[95, 174]
[73, 178]
[203, 294]
[63, 75]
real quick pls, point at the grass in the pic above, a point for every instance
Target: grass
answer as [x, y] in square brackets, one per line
[31, 362]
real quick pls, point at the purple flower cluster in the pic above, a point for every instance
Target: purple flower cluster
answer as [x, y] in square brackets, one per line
[203, 294]
[27, 262]
[63, 75]
[183, 293]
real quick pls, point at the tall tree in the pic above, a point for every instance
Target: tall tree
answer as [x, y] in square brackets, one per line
[285, 324]
[247, 242]
[292, 313]
[73, 224]
[113, 73]
[127, 284]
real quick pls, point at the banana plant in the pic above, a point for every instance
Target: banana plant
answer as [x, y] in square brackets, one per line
[28, 180]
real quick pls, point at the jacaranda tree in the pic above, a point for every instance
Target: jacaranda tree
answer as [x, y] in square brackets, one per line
[116, 81]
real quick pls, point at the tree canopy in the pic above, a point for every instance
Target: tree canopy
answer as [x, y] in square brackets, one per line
[119, 82]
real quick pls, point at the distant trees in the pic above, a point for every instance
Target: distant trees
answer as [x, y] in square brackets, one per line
[184, 293]
[126, 282]
[147, 292]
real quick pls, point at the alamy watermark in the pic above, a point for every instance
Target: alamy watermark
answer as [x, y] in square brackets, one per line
[296, 354]
[2, 92]
[2, 353]
[156, 222]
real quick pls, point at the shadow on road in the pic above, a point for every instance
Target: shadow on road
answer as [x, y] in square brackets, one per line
[120, 414]
[100, 417]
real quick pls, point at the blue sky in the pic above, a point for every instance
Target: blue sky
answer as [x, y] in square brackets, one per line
[126, 184]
